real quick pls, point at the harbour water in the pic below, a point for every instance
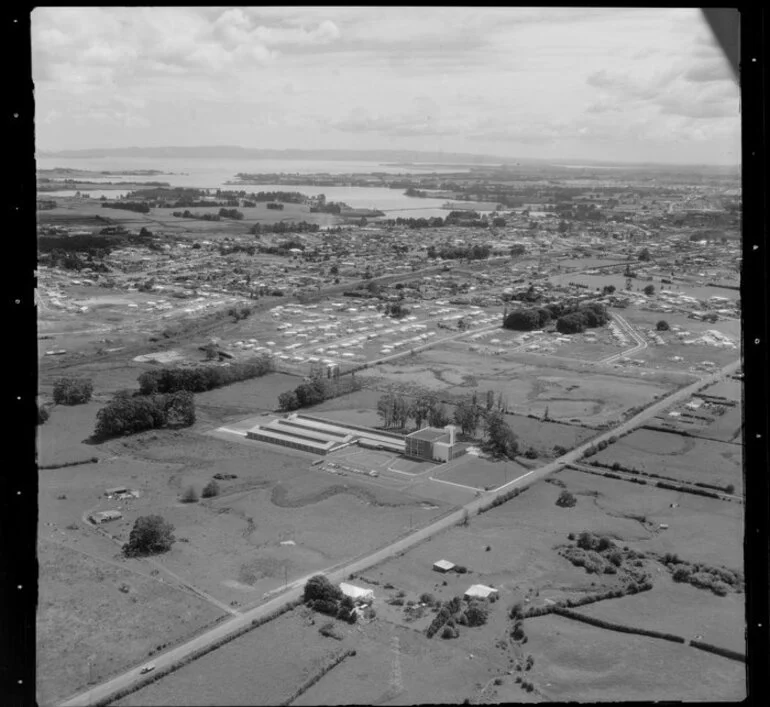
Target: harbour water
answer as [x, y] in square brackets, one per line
[214, 174]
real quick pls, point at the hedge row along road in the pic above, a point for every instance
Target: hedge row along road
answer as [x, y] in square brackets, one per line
[103, 692]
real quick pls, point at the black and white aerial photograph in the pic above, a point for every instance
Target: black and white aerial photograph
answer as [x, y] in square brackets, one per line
[388, 356]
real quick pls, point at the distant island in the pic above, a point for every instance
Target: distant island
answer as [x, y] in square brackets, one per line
[69, 172]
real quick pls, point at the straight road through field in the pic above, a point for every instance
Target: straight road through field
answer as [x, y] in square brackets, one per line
[294, 590]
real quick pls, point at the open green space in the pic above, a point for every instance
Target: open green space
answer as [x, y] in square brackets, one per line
[97, 618]
[262, 667]
[677, 456]
[575, 661]
[470, 470]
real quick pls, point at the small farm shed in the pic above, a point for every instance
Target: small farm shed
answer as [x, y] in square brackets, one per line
[104, 516]
[357, 594]
[479, 591]
[443, 566]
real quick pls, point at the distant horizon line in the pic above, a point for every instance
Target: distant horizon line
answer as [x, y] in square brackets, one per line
[340, 154]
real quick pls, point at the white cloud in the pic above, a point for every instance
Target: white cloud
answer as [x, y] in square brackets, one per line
[519, 78]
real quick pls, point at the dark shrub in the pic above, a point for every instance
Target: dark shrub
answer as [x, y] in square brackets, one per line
[189, 495]
[72, 391]
[210, 489]
[319, 587]
[149, 536]
[566, 499]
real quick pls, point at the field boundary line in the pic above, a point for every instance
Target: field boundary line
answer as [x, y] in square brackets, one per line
[452, 483]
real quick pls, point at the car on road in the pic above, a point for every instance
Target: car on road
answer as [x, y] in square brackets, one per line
[147, 668]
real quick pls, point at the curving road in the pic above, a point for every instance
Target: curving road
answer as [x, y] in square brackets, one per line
[293, 591]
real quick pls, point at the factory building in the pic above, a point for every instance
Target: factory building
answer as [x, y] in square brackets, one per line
[434, 444]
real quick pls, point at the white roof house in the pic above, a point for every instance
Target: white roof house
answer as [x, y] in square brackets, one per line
[356, 593]
[443, 566]
[479, 591]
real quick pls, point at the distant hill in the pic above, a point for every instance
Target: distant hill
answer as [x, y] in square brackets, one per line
[234, 152]
[399, 157]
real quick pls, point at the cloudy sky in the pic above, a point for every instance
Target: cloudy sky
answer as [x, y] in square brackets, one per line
[608, 84]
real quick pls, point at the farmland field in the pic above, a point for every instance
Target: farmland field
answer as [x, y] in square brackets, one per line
[528, 383]
[431, 671]
[682, 610]
[729, 388]
[680, 457]
[88, 613]
[62, 438]
[262, 667]
[232, 547]
[700, 529]
[574, 661]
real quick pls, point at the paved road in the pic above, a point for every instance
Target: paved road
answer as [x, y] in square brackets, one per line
[294, 590]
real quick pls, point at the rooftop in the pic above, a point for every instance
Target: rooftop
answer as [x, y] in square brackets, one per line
[429, 434]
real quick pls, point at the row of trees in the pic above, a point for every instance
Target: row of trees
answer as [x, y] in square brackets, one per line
[231, 214]
[414, 223]
[127, 414]
[197, 379]
[471, 252]
[200, 217]
[139, 207]
[288, 197]
[281, 227]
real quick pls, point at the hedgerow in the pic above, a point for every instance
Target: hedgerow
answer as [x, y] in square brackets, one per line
[724, 652]
[602, 623]
[198, 379]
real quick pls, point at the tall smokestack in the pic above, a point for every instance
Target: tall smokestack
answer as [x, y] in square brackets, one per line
[451, 430]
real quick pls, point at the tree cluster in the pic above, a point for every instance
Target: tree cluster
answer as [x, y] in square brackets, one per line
[315, 391]
[329, 207]
[150, 535]
[275, 206]
[395, 411]
[197, 379]
[326, 598]
[719, 580]
[282, 227]
[588, 315]
[396, 310]
[471, 252]
[72, 391]
[529, 319]
[457, 612]
[127, 414]
[231, 214]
